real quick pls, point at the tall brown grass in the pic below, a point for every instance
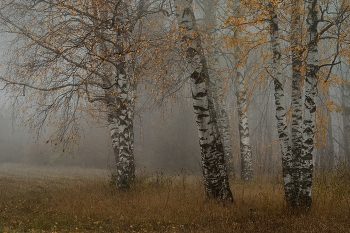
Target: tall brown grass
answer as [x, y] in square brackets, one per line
[161, 203]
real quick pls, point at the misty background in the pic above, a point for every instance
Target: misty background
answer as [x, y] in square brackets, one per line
[166, 137]
[166, 140]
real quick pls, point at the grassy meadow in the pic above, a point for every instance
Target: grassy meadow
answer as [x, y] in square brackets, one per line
[45, 201]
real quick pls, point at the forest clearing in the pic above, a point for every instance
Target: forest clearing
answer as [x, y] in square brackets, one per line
[160, 203]
[174, 116]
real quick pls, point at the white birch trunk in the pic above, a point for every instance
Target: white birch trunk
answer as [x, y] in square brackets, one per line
[306, 160]
[113, 121]
[224, 127]
[246, 152]
[296, 47]
[125, 164]
[120, 119]
[213, 162]
[118, 100]
[210, 9]
[282, 128]
[243, 124]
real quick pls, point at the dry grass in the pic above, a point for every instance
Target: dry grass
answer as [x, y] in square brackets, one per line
[165, 204]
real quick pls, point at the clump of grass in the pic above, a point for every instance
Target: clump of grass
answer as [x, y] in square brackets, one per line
[161, 203]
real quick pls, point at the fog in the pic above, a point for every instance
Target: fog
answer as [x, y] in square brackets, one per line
[166, 138]
[165, 141]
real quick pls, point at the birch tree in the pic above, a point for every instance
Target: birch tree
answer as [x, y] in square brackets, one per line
[302, 29]
[276, 73]
[246, 152]
[312, 65]
[213, 159]
[74, 60]
[296, 105]
[119, 92]
[211, 28]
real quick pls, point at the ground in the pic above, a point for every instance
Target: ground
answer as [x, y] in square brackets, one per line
[43, 199]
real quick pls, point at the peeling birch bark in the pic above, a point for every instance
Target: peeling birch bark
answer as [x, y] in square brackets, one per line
[125, 164]
[119, 101]
[213, 161]
[297, 52]
[243, 124]
[246, 151]
[282, 128]
[113, 124]
[306, 160]
[215, 87]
